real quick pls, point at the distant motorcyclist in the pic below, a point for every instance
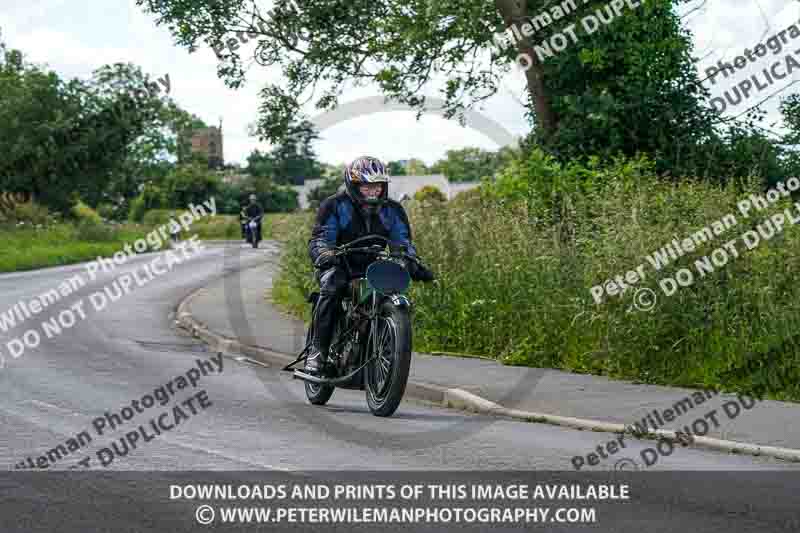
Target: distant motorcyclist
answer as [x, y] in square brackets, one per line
[252, 211]
[363, 208]
[175, 228]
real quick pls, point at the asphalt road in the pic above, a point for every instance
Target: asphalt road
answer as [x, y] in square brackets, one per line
[240, 421]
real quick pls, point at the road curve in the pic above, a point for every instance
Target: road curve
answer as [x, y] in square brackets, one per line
[131, 348]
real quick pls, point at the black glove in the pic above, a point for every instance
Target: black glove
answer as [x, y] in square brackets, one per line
[419, 272]
[326, 259]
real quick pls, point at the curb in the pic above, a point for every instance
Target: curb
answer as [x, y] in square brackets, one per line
[466, 401]
[221, 343]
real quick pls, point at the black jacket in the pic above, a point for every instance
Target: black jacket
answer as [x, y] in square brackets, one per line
[253, 210]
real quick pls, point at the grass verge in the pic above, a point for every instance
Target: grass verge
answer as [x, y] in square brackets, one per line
[26, 247]
[59, 244]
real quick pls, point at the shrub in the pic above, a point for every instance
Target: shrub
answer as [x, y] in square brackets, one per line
[295, 281]
[189, 183]
[89, 231]
[157, 217]
[327, 188]
[137, 210]
[29, 213]
[470, 197]
[109, 211]
[82, 212]
[220, 227]
[152, 197]
[430, 193]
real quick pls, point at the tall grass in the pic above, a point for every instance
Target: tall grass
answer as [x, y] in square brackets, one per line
[295, 280]
[515, 273]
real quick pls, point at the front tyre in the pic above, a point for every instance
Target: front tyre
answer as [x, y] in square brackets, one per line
[386, 377]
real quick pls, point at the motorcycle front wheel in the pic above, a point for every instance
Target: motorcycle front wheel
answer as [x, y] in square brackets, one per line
[387, 375]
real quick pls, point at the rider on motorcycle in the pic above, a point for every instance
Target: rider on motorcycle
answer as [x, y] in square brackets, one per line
[253, 210]
[364, 208]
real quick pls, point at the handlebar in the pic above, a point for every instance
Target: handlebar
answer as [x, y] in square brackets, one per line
[364, 238]
[375, 249]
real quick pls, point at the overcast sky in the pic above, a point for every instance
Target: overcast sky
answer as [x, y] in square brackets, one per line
[77, 36]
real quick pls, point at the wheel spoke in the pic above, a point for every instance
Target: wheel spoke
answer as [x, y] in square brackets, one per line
[380, 377]
[380, 373]
[386, 356]
[382, 337]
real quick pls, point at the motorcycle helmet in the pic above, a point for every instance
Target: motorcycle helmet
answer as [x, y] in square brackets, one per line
[366, 170]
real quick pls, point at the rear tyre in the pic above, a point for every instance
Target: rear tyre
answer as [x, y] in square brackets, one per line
[317, 394]
[386, 377]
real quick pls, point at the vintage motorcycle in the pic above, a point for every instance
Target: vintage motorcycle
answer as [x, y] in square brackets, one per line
[371, 345]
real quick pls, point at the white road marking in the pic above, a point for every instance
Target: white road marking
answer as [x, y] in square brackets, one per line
[54, 407]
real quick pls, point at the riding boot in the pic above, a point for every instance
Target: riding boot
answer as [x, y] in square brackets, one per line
[332, 283]
[323, 329]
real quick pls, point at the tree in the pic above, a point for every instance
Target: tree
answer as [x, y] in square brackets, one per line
[163, 139]
[294, 159]
[327, 188]
[190, 183]
[409, 42]
[629, 86]
[469, 164]
[275, 198]
[790, 109]
[62, 140]
[230, 198]
[396, 168]
[260, 165]
[416, 167]
[333, 171]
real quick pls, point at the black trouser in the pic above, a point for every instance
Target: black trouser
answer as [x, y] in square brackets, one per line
[333, 285]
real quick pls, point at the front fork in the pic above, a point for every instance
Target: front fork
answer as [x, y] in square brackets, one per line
[398, 300]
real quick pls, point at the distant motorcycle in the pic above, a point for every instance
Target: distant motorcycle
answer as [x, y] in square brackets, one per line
[252, 230]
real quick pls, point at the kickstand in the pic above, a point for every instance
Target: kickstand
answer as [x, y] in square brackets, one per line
[300, 358]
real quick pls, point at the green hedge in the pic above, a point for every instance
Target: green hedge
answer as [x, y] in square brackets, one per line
[516, 264]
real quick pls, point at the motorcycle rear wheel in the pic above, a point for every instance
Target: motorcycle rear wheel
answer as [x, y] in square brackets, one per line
[386, 377]
[316, 393]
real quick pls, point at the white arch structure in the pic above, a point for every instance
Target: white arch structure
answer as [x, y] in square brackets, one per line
[379, 104]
